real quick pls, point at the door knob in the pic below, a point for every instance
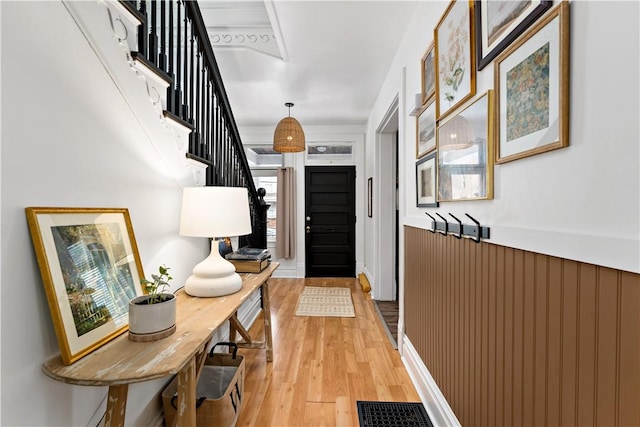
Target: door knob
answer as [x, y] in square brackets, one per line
[308, 218]
[308, 229]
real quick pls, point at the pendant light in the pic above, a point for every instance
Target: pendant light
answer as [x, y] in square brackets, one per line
[288, 136]
[456, 135]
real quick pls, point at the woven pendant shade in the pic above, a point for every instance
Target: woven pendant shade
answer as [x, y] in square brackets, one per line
[456, 135]
[288, 136]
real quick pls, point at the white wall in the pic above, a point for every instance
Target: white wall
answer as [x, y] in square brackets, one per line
[580, 202]
[70, 139]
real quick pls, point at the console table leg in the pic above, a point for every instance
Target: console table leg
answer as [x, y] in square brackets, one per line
[116, 405]
[266, 306]
[186, 415]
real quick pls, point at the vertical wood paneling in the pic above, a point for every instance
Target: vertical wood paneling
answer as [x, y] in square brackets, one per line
[517, 338]
[629, 351]
[518, 342]
[554, 339]
[569, 350]
[500, 336]
[490, 268]
[528, 332]
[507, 350]
[587, 321]
[540, 341]
[606, 356]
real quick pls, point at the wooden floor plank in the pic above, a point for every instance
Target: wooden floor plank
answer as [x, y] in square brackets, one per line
[321, 366]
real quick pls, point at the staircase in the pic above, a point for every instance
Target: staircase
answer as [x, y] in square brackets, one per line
[159, 54]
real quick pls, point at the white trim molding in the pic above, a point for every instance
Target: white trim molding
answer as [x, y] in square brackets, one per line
[432, 398]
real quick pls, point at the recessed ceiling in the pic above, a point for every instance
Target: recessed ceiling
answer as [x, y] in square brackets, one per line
[329, 58]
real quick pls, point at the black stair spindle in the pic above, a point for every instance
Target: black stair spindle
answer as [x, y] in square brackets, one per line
[162, 56]
[143, 30]
[152, 54]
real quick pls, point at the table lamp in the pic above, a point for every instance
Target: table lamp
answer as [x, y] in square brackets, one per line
[215, 212]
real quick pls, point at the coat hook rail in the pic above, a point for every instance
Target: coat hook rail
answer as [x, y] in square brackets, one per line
[457, 229]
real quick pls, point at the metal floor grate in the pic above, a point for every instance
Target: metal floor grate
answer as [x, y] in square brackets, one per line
[392, 414]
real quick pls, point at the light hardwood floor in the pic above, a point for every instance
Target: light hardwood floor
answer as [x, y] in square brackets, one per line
[321, 365]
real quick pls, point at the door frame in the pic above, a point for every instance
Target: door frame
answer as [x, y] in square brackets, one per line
[386, 288]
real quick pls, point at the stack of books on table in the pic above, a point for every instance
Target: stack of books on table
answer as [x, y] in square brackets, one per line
[250, 260]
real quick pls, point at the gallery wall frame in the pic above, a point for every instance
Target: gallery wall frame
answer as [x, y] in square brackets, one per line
[531, 79]
[90, 268]
[465, 152]
[426, 129]
[426, 182]
[455, 57]
[499, 23]
[428, 74]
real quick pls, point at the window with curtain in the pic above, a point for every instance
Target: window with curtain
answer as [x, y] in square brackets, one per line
[264, 164]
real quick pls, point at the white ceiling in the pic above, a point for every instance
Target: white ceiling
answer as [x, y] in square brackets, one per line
[329, 58]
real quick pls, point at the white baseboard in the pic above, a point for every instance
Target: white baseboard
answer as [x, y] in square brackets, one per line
[432, 398]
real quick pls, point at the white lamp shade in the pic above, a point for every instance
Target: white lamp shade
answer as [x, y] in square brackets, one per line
[215, 212]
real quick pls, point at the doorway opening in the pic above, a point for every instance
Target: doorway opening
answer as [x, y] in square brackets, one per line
[386, 290]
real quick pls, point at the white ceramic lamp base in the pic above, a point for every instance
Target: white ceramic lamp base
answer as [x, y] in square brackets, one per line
[213, 277]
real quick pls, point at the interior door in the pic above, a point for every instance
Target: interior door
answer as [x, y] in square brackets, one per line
[330, 221]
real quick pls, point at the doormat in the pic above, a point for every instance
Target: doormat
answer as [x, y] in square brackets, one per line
[392, 414]
[325, 302]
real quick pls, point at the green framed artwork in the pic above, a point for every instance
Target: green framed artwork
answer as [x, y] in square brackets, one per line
[531, 82]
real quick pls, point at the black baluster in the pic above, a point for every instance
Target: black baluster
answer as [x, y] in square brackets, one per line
[209, 118]
[185, 74]
[191, 75]
[171, 63]
[162, 58]
[143, 30]
[152, 54]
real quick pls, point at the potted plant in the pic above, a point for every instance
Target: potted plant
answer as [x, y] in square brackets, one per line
[153, 316]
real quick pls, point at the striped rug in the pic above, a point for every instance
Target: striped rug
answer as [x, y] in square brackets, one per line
[325, 302]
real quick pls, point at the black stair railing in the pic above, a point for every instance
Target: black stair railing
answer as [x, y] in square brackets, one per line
[173, 37]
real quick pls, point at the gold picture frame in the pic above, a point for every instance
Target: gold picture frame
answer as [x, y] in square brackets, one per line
[534, 73]
[426, 130]
[465, 152]
[455, 68]
[428, 64]
[90, 268]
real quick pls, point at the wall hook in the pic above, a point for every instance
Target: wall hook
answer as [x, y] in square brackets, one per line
[459, 235]
[446, 226]
[433, 225]
[475, 237]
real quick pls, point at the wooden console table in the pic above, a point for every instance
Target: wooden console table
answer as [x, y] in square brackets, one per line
[122, 362]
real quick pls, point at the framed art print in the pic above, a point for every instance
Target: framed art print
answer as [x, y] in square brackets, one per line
[532, 89]
[426, 130]
[428, 74]
[455, 63]
[426, 182]
[465, 154]
[90, 269]
[499, 23]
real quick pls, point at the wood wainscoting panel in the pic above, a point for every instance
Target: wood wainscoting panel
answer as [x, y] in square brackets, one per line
[518, 338]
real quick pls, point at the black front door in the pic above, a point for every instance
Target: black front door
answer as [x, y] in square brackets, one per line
[330, 218]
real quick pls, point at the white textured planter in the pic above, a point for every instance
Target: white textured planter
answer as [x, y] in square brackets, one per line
[149, 322]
